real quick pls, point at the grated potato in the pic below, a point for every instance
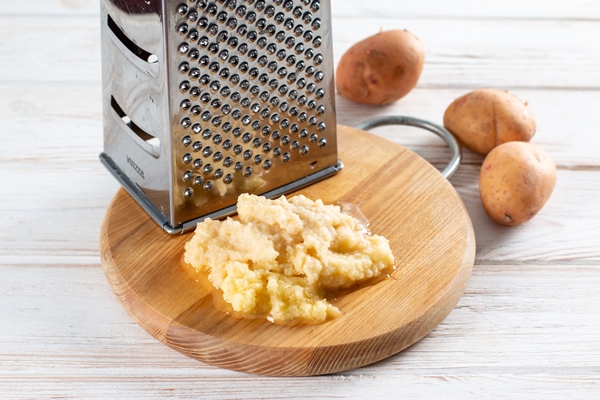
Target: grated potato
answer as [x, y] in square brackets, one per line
[281, 257]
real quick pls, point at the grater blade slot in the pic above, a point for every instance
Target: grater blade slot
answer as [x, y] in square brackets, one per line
[148, 142]
[145, 61]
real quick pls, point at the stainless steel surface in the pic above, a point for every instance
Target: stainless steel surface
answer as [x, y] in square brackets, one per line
[455, 149]
[206, 100]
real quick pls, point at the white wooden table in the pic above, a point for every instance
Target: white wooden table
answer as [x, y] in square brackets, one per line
[528, 325]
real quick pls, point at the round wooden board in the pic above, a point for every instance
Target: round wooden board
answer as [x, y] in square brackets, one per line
[404, 198]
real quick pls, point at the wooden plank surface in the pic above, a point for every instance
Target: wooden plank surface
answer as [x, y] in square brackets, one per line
[528, 324]
[497, 9]
[72, 113]
[98, 352]
[505, 53]
[565, 231]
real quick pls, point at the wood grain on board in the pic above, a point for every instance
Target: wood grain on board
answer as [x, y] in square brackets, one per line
[405, 199]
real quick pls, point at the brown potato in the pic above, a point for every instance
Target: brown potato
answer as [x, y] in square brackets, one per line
[515, 181]
[485, 118]
[381, 69]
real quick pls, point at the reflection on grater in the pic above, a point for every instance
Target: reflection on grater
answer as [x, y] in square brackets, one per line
[206, 100]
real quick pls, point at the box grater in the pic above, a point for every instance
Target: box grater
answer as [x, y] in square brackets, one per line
[206, 100]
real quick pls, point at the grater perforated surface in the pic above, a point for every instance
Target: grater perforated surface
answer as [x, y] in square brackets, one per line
[253, 96]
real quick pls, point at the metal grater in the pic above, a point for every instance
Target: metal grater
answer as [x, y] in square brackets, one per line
[206, 100]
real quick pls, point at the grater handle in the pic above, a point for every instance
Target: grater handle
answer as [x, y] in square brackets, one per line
[145, 61]
[455, 148]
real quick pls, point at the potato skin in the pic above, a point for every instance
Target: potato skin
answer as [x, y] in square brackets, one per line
[485, 118]
[515, 181]
[381, 69]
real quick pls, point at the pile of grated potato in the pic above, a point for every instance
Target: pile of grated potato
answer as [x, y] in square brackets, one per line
[281, 257]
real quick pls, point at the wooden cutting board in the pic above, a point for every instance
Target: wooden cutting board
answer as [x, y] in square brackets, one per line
[404, 198]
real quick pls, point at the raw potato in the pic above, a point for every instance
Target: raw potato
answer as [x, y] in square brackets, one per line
[515, 181]
[486, 118]
[381, 69]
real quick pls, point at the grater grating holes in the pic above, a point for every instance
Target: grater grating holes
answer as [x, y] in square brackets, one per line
[182, 10]
[195, 110]
[183, 48]
[195, 93]
[184, 86]
[193, 36]
[183, 29]
[253, 72]
[209, 185]
[196, 128]
[193, 16]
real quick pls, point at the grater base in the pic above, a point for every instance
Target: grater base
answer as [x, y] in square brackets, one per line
[163, 221]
